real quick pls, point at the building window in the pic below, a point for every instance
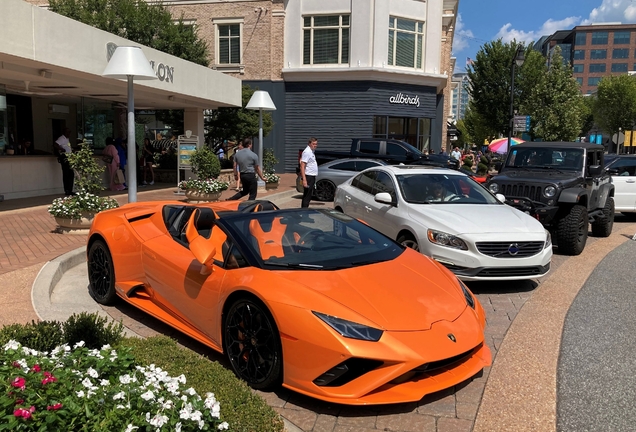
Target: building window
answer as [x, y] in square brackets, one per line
[622, 37]
[597, 67]
[326, 39]
[599, 38]
[598, 54]
[619, 67]
[405, 42]
[579, 81]
[415, 131]
[593, 81]
[579, 55]
[620, 53]
[581, 38]
[577, 68]
[229, 52]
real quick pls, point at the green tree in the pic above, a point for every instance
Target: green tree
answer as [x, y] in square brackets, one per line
[490, 82]
[236, 123]
[615, 104]
[478, 129]
[147, 23]
[556, 105]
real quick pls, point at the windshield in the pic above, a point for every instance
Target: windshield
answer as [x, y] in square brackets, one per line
[546, 158]
[412, 149]
[312, 239]
[443, 189]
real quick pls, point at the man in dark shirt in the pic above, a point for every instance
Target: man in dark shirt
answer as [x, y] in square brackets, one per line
[247, 162]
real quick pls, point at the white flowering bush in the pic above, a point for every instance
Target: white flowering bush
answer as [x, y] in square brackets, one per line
[77, 388]
[269, 161]
[72, 207]
[204, 186]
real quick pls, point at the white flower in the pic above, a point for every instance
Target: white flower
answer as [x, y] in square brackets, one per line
[92, 372]
[105, 347]
[224, 426]
[87, 383]
[177, 427]
[120, 406]
[11, 345]
[215, 411]
[125, 379]
[186, 411]
[130, 428]
[148, 395]
[190, 391]
[158, 420]
[181, 378]
[201, 424]
[80, 393]
[196, 416]
[209, 400]
[80, 344]
[119, 395]
[104, 382]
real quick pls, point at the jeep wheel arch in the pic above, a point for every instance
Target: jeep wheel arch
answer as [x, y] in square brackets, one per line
[573, 196]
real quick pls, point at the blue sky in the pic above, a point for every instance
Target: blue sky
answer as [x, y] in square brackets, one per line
[480, 21]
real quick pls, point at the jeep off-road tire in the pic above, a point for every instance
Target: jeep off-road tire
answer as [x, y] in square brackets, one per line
[602, 227]
[571, 232]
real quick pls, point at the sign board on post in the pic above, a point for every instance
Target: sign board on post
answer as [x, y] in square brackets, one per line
[521, 124]
[186, 145]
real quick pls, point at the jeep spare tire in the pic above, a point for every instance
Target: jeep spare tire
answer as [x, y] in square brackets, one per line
[572, 229]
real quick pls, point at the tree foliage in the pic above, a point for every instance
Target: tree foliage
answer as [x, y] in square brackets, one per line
[490, 84]
[478, 129]
[147, 23]
[555, 104]
[236, 123]
[615, 104]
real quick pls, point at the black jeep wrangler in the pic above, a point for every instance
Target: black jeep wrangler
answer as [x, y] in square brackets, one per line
[564, 185]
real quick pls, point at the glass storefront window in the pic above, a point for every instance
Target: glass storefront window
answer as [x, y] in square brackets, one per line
[98, 121]
[4, 131]
[415, 131]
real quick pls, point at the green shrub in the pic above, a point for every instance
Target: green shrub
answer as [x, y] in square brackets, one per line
[468, 163]
[205, 164]
[242, 409]
[93, 329]
[482, 167]
[41, 336]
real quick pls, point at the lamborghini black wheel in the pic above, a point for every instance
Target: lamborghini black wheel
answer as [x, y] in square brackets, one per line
[252, 344]
[101, 273]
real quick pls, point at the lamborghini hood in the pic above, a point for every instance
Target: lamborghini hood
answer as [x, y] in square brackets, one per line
[406, 294]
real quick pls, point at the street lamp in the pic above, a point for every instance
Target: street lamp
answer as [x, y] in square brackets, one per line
[516, 61]
[130, 63]
[260, 101]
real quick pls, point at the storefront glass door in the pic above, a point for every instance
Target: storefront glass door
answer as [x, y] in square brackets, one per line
[98, 119]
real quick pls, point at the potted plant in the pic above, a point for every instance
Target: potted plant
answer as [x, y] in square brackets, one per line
[76, 212]
[269, 171]
[205, 164]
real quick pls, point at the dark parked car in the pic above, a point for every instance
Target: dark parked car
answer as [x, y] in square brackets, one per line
[564, 185]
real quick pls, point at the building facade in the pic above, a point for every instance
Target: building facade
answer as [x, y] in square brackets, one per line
[594, 51]
[336, 69]
[460, 96]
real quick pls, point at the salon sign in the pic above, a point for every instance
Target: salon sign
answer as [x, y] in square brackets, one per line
[163, 72]
[405, 99]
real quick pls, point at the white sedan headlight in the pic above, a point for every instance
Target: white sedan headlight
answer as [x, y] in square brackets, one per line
[445, 239]
[548, 240]
[493, 187]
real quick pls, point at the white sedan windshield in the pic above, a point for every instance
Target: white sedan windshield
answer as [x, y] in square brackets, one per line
[443, 189]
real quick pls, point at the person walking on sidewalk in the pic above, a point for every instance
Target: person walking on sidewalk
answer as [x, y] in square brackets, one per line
[308, 170]
[62, 147]
[247, 162]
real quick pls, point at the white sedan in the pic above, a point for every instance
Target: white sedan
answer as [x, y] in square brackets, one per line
[450, 217]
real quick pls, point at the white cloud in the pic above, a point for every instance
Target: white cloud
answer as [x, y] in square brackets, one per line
[460, 39]
[613, 11]
[507, 33]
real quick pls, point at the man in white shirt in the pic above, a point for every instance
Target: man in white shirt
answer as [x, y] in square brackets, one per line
[456, 154]
[63, 148]
[308, 170]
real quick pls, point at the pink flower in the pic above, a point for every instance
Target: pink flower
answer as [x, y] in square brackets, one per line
[24, 413]
[18, 382]
[19, 401]
[16, 364]
[48, 378]
[36, 368]
[54, 407]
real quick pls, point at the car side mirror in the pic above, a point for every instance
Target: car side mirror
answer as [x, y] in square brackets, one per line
[594, 170]
[384, 198]
[202, 249]
[501, 198]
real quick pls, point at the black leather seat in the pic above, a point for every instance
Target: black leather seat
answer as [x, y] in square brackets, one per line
[204, 221]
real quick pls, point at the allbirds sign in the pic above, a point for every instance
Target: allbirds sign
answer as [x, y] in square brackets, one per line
[404, 99]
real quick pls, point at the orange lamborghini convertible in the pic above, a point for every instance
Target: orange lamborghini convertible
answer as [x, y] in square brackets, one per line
[310, 299]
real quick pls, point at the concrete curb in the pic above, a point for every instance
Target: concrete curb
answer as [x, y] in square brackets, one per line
[49, 275]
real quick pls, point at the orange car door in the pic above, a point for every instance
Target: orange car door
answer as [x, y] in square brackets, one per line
[182, 284]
